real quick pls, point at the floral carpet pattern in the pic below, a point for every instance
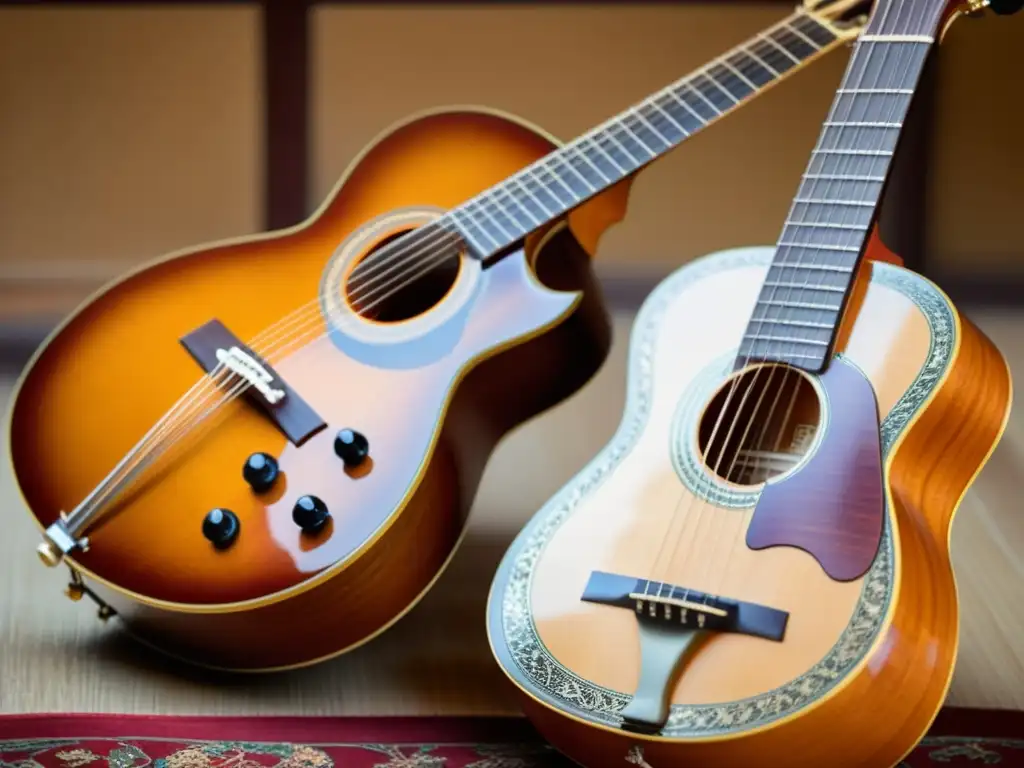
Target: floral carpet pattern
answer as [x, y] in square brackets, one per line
[958, 738]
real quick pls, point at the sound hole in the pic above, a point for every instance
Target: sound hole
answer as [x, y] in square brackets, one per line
[759, 424]
[400, 282]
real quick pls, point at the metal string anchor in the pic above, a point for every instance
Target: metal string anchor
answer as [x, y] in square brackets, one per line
[59, 541]
[237, 361]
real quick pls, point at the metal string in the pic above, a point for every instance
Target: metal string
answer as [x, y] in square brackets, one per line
[701, 506]
[177, 421]
[912, 52]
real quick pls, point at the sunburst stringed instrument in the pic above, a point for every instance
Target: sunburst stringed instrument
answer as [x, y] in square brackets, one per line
[755, 571]
[261, 453]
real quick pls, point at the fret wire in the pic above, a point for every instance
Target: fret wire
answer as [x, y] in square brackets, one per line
[901, 91]
[771, 54]
[634, 128]
[792, 359]
[846, 177]
[798, 44]
[536, 222]
[709, 76]
[511, 208]
[794, 59]
[471, 223]
[492, 209]
[494, 214]
[734, 81]
[558, 177]
[542, 171]
[789, 356]
[613, 140]
[819, 247]
[728, 64]
[918, 39]
[607, 154]
[670, 118]
[487, 200]
[569, 157]
[612, 135]
[821, 225]
[857, 133]
[622, 146]
[640, 115]
[803, 287]
[811, 24]
[798, 323]
[798, 304]
[492, 217]
[639, 141]
[482, 209]
[664, 123]
[854, 152]
[846, 174]
[686, 105]
[753, 55]
[567, 162]
[528, 175]
[706, 99]
[523, 181]
[786, 340]
[855, 124]
[586, 158]
[752, 71]
[547, 187]
[808, 40]
[826, 201]
[803, 265]
[543, 175]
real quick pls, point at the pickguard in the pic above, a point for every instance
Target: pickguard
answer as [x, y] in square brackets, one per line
[833, 508]
[514, 635]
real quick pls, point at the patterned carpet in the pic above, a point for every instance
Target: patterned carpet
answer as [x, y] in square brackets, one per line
[958, 737]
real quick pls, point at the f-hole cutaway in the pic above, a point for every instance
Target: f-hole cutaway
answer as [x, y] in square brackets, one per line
[760, 424]
[405, 281]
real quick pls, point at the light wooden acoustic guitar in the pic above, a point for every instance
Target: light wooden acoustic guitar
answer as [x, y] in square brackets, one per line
[755, 571]
[261, 453]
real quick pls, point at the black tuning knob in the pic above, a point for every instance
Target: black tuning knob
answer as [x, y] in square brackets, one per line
[351, 447]
[221, 527]
[260, 471]
[310, 514]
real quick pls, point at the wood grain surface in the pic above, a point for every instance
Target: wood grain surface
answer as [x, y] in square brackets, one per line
[56, 656]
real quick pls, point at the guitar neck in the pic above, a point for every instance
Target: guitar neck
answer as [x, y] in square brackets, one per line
[797, 315]
[502, 215]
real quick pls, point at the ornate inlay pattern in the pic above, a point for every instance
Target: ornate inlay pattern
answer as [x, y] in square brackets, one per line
[543, 674]
[683, 444]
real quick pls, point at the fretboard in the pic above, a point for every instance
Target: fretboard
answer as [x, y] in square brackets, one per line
[798, 311]
[502, 215]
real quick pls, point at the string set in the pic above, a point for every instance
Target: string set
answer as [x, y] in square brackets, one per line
[378, 277]
[698, 506]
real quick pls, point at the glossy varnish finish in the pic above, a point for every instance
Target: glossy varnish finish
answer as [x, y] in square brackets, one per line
[843, 529]
[874, 713]
[115, 367]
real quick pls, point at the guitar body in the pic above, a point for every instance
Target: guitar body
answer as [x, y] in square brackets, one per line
[865, 661]
[432, 391]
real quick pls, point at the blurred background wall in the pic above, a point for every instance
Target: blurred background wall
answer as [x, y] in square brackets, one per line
[129, 130]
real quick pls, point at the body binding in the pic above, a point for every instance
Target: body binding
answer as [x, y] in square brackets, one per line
[868, 662]
[531, 334]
